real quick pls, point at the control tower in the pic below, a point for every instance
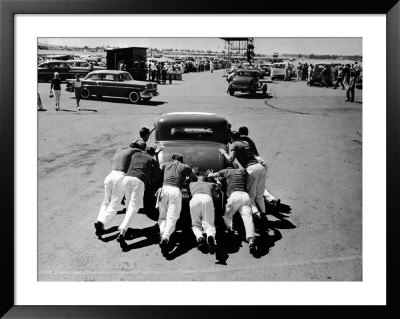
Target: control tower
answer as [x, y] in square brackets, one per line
[237, 48]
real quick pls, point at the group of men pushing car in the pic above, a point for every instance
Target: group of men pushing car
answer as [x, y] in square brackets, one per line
[134, 167]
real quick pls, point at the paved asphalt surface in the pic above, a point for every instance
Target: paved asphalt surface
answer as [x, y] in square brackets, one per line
[310, 137]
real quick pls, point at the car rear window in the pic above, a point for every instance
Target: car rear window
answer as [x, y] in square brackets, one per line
[191, 132]
[279, 66]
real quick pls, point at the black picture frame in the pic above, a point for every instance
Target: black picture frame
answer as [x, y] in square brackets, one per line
[8, 9]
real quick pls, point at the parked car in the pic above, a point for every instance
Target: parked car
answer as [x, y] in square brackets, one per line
[116, 84]
[279, 70]
[85, 64]
[247, 81]
[266, 68]
[47, 69]
[315, 74]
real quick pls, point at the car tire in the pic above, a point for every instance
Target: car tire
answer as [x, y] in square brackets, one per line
[134, 97]
[146, 99]
[85, 93]
[264, 89]
[231, 92]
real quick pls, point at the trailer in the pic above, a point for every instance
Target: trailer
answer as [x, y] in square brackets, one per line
[132, 59]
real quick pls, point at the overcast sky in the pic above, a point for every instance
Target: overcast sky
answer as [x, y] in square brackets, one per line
[338, 46]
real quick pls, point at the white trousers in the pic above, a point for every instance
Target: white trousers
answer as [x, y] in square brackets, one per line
[240, 201]
[170, 209]
[202, 214]
[134, 192]
[113, 194]
[57, 95]
[256, 185]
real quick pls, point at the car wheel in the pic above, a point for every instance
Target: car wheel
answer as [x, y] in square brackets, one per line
[264, 89]
[272, 78]
[146, 99]
[85, 93]
[134, 97]
[231, 92]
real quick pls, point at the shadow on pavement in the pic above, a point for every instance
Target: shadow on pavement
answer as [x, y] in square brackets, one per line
[256, 96]
[126, 101]
[150, 234]
[110, 230]
[180, 243]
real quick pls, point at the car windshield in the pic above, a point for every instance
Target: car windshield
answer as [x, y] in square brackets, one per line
[250, 74]
[79, 64]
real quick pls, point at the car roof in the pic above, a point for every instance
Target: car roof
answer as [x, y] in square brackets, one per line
[108, 72]
[190, 117]
[76, 61]
[54, 61]
[248, 70]
[165, 122]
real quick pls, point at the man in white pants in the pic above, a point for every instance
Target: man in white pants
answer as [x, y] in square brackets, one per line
[256, 181]
[142, 169]
[238, 200]
[202, 212]
[170, 197]
[113, 190]
[244, 132]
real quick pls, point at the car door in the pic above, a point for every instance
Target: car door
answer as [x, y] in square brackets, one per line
[93, 83]
[109, 84]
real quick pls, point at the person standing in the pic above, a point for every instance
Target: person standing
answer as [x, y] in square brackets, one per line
[55, 86]
[77, 86]
[153, 71]
[352, 85]
[325, 76]
[211, 66]
[169, 197]
[202, 212]
[256, 181]
[164, 73]
[238, 200]
[299, 71]
[39, 102]
[143, 168]
[113, 189]
[339, 79]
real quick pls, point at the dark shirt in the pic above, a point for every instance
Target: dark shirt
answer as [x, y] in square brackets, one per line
[243, 153]
[56, 84]
[201, 187]
[175, 173]
[144, 167]
[140, 144]
[251, 143]
[236, 180]
[122, 159]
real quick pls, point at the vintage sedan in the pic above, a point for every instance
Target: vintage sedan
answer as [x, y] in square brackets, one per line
[316, 74]
[47, 69]
[246, 81]
[198, 137]
[115, 84]
[86, 65]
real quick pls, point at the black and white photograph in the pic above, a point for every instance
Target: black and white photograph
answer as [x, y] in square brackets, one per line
[200, 159]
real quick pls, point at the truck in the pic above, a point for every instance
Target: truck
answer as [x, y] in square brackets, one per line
[132, 59]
